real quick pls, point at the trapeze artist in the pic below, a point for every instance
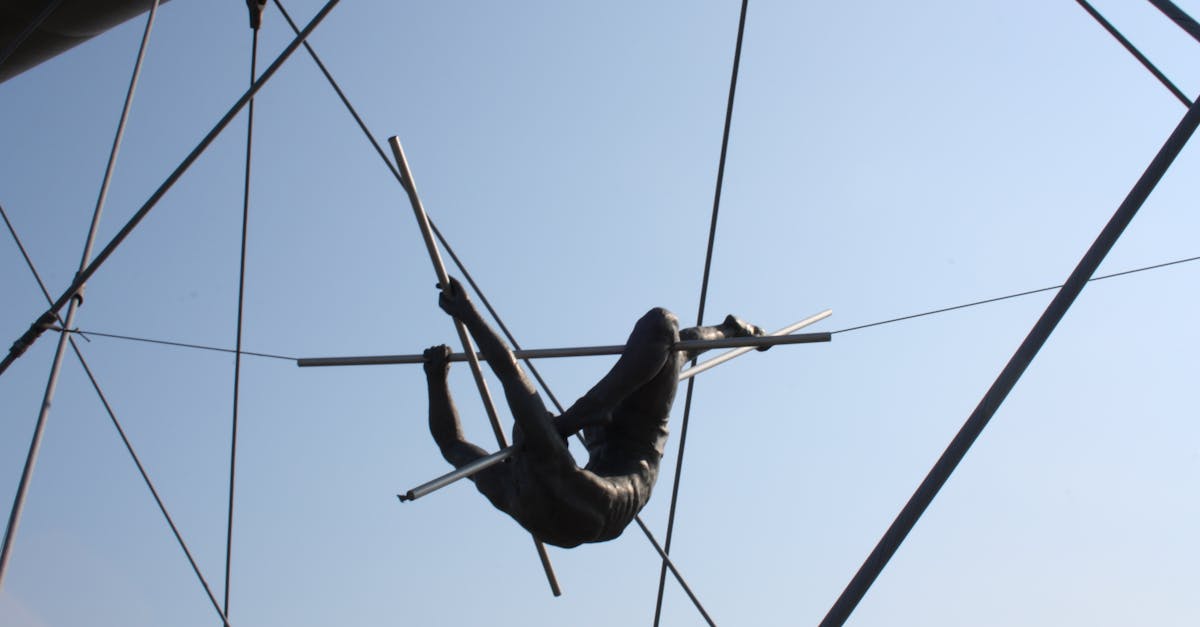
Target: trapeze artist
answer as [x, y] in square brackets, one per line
[623, 418]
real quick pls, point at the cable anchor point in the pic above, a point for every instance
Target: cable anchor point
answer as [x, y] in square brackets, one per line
[256, 8]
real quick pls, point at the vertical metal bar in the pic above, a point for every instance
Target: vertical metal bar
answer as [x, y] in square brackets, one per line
[973, 427]
[255, 22]
[708, 256]
[439, 267]
[675, 571]
[76, 298]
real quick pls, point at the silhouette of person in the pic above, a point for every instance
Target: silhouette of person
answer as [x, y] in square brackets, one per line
[623, 418]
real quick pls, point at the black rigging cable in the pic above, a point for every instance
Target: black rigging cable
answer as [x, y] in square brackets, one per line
[255, 22]
[997, 299]
[1177, 15]
[1008, 377]
[112, 415]
[457, 261]
[931, 312]
[133, 338]
[35, 330]
[75, 296]
[712, 234]
[1112, 30]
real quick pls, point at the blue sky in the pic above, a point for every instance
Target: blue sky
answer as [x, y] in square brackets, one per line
[885, 160]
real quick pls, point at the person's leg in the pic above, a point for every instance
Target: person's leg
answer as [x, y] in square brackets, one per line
[646, 352]
[642, 413]
[526, 404]
[731, 327]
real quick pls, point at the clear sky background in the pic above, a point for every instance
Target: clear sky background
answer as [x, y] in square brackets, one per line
[886, 159]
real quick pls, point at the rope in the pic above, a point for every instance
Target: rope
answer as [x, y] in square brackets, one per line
[712, 234]
[237, 359]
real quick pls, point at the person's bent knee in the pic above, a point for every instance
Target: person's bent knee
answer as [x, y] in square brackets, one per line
[658, 324]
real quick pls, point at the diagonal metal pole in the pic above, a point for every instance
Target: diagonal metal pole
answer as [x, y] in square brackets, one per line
[1137, 54]
[437, 233]
[76, 298]
[39, 326]
[708, 257]
[675, 571]
[112, 416]
[1177, 15]
[954, 453]
[439, 267]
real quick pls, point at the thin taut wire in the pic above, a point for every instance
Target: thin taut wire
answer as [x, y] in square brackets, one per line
[708, 255]
[937, 477]
[453, 255]
[35, 330]
[112, 415]
[1137, 54]
[237, 358]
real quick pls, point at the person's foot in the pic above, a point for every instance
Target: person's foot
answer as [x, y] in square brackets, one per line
[736, 327]
[437, 361]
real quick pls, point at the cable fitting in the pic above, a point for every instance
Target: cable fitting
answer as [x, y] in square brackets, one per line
[256, 8]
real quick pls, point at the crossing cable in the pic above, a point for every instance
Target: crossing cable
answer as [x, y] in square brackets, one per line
[1177, 15]
[76, 299]
[1112, 30]
[132, 338]
[941, 310]
[255, 9]
[454, 256]
[112, 416]
[458, 263]
[1008, 377]
[39, 326]
[997, 299]
[712, 234]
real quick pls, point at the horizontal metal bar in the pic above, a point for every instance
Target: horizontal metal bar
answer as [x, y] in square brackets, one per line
[503, 454]
[749, 343]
